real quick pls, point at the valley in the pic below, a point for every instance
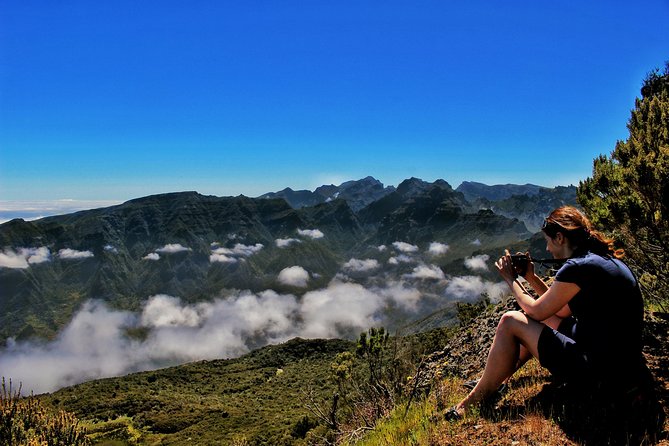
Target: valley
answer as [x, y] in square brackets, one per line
[134, 287]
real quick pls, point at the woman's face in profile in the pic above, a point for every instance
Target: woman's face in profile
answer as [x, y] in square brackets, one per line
[554, 246]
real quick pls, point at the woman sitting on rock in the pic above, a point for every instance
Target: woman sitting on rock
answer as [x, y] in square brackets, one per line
[586, 327]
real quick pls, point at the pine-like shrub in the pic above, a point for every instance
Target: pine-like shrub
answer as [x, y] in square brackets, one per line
[24, 420]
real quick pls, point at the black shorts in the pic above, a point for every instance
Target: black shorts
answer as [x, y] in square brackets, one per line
[560, 353]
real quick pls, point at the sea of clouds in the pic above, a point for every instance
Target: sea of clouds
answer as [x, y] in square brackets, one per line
[96, 343]
[33, 210]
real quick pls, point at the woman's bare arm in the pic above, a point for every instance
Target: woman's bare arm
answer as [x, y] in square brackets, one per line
[552, 301]
[536, 283]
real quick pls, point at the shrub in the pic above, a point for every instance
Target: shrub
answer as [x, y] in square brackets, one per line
[26, 421]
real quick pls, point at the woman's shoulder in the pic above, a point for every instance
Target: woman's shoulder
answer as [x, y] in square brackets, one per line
[580, 263]
[589, 257]
[590, 263]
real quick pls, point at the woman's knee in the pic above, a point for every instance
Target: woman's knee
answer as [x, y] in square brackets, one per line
[511, 319]
[517, 325]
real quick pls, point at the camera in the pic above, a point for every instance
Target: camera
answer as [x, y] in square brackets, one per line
[519, 262]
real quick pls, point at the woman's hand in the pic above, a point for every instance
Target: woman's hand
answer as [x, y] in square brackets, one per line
[529, 266]
[505, 268]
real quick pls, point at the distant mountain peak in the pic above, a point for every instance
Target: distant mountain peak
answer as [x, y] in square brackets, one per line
[473, 190]
[415, 186]
[357, 193]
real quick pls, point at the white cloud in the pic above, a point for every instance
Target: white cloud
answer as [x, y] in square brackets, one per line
[95, 343]
[37, 255]
[477, 263]
[401, 294]
[405, 247]
[402, 258]
[110, 248]
[247, 250]
[231, 255]
[151, 256]
[338, 307]
[172, 248]
[438, 249]
[285, 242]
[311, 233]
[91, 346]
[11, 259]
[382, 248]
[221, 258]
[426, 272]
[72, 254]
[358, 265]
[24, 257]
[294, 276]
[166, 311]
[222, 328]
[476, 242]
[32, 210]
[471, 288]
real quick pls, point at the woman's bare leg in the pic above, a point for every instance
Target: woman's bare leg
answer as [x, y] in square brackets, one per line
[515, 330]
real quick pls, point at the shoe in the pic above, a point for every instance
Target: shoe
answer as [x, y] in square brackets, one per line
[452, 414]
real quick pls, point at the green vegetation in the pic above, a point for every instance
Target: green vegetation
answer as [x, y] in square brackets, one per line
[260, 399]
[627, 194]
[369, 381]
[25, 421]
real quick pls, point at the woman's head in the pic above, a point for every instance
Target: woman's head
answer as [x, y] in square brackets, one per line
[577, 229]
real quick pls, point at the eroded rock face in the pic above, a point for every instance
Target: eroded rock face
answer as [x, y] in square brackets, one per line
[465, 354]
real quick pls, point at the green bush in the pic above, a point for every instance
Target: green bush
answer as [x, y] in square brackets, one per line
[26, 421]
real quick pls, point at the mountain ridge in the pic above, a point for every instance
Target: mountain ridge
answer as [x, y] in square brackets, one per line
[114, 253]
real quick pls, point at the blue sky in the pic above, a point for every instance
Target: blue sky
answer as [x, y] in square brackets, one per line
[117, 100]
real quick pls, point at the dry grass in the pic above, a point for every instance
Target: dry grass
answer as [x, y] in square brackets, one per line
[530, 430]
[535, 411]
[511, 422]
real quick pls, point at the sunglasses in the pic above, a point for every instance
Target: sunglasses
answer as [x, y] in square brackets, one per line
[550, 227]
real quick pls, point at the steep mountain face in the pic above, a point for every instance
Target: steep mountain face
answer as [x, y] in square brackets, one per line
[531, 208]
[421, 212]
[201, 247]
[412, 195]
[182, 244]
[357, 194]
[473, 190]
[296, 198]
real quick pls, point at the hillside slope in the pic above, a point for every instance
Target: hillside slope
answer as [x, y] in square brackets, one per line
[264, 398]
[260, 397]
